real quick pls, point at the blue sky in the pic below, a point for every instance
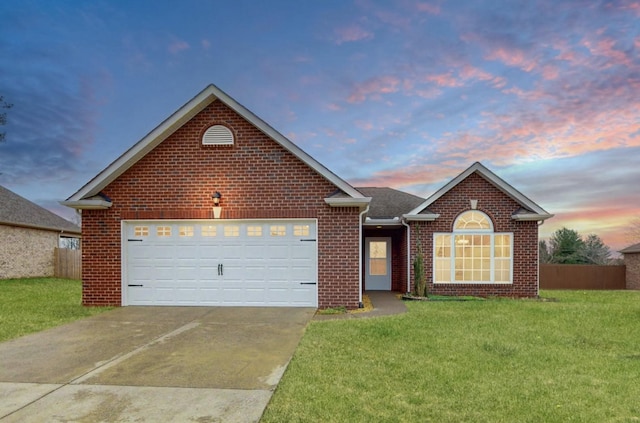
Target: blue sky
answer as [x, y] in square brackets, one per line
[401, 93]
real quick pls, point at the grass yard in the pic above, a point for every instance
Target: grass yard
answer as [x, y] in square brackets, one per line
[576, 359]
[31, 305]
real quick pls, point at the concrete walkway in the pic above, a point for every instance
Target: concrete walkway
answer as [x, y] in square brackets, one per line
[151, 364]
[385, 303]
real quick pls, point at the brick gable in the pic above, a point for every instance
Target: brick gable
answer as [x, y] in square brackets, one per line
[258, 178]
[499, 207]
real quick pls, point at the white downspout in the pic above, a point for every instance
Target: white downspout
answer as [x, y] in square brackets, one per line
[403, 221]
[360, 304]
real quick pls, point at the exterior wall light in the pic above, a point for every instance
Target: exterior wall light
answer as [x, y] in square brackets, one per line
[216, 205]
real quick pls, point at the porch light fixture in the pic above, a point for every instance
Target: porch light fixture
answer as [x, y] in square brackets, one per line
[216, 204]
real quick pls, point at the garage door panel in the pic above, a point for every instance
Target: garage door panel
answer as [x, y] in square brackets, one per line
[221, 263]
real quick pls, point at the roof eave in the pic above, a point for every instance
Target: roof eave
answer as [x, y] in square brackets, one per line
[40, 227]
[179, 118]
[531, 216]
[87, 204]
[494, 179]
[430, 217]
[348, 202]
[381, 222]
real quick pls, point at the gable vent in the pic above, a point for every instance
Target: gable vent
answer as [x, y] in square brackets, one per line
[218, 135]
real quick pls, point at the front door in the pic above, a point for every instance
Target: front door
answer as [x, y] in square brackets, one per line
[378, 264]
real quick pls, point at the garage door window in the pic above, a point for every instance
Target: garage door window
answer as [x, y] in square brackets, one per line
[209, 231]
[186, 230]
[231, 231]
[301, 230]
[141, 231]
[254, 230]
[163, 231]
[277, 230]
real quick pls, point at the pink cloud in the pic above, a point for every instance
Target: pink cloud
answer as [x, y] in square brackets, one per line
[374, 87]
[512, 57]
[178, 46]
[352, 33]
[364, 125]
[444, 80]
[606, 47]
[333, 107]
[428, 7]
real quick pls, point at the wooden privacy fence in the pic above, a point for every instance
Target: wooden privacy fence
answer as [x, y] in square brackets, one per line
[68, 263]
[581, 276]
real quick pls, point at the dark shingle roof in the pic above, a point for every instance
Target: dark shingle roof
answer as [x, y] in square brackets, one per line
[635, 248]
[387, 203]
[18, 211]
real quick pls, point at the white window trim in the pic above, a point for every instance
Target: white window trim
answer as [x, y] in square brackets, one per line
[452, 280]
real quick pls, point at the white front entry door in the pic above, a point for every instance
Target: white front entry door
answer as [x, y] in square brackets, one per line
[220, 263]
[378, 264]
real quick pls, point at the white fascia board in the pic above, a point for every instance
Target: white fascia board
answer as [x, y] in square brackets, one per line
[381, 222]
[493, 179]
[348, 202]
[420, 217]
[531, 216]
[179, 118]
[87, 204]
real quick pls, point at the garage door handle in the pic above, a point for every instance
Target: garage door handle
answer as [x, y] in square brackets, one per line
[135, 285]
[220, 270]
[308, 240]
[308, 283]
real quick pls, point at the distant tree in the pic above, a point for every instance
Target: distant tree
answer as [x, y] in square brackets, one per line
[567, 247]
[544, 256]
[595, 251]
[3, 116]
[633, 234]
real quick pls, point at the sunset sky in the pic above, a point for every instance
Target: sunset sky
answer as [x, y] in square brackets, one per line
[401, 93]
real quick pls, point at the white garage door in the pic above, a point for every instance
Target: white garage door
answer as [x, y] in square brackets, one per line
[220, 263]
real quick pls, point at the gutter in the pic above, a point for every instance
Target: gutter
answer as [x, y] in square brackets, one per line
[404, 223]
[366, 210]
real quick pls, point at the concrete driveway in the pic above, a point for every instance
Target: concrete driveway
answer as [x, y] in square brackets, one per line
[150, 364]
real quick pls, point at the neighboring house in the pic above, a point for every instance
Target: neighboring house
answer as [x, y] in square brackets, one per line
[215, 207]
[28, 236]
[631, 256]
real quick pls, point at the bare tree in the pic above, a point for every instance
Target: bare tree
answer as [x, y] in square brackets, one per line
[3, 116]
[633, 234]
[544, 255]
[595, 251]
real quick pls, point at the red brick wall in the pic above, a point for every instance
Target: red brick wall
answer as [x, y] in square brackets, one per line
[257, 179]
[499, 207]
[632, 262]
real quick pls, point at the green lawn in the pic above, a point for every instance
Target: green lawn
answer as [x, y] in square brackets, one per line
[576, 359]
[31, 305]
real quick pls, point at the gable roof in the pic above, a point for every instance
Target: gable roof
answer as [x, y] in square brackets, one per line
[88, 195]
[635, 248]
[529, 210]
[18, 211]
[387, 203]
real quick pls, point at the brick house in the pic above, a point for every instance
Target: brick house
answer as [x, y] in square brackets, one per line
[29, 235]
[631, 256]
[215, 207]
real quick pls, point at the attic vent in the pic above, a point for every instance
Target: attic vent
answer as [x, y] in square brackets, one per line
[217, 135]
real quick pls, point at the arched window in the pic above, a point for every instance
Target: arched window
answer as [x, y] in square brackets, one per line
[473, 252]
[472, 220]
